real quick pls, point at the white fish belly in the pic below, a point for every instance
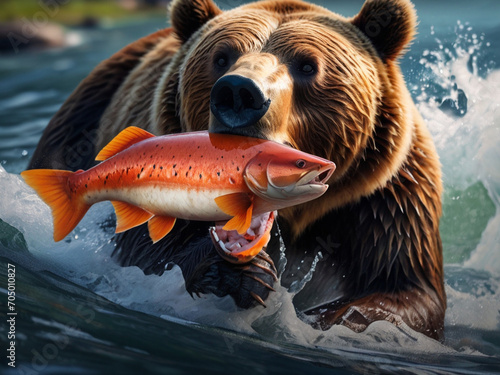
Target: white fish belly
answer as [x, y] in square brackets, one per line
[194, 204]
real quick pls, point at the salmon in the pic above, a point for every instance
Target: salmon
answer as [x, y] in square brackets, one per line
[237, 182]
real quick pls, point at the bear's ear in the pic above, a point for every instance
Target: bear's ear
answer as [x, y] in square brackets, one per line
[187, 16]
[389, 24]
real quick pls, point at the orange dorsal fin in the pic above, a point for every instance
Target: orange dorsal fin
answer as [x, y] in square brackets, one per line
[129, 216]
[68, 208]
[122, 141]
[160, 226]
[238, 205]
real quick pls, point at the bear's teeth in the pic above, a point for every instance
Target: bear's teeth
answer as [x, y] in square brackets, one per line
[223, 247]
[216, 237]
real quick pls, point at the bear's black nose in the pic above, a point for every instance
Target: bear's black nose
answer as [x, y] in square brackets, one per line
[236, 101]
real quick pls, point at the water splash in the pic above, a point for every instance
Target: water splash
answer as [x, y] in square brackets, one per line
[467, 142]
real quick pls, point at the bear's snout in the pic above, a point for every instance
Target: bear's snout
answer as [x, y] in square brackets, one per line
[237, 102]
[253, 98]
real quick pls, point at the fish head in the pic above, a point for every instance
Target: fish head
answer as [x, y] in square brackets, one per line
[281, 176]
[288, 177]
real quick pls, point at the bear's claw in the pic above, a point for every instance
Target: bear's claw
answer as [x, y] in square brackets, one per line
[247, 284]
[258, 299]
[264, 261]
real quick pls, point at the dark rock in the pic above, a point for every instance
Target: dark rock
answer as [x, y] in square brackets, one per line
[454, 107]
[25, 34]
[89, 22]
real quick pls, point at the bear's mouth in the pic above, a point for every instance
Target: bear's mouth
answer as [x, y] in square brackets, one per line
[242, 248]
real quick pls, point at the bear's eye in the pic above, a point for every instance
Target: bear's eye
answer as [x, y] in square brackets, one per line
[221, 61]
[301, 163]
[307, 68]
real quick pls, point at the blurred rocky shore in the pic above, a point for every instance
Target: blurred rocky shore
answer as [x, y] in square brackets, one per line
[39, 24]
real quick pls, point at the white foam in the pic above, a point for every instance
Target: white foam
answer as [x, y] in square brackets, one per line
[469, 148]
[477, 309]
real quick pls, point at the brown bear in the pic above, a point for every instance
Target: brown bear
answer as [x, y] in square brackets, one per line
[293, 72]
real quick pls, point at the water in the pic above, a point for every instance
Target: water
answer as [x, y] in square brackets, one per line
[78, 312]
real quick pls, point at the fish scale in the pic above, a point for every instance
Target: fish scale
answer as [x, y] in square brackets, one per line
[163, 167]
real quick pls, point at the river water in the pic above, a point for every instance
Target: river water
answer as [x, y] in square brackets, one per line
[80, 313]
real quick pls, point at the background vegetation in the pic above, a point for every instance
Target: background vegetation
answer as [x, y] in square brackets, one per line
[77, 12]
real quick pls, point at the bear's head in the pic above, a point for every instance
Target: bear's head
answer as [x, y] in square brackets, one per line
[299, 74]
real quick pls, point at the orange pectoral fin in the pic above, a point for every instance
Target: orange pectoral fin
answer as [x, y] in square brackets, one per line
[122, 141]
[129, 216]
[240, 222]
[160, 226]
[239, 205]
[248, 254]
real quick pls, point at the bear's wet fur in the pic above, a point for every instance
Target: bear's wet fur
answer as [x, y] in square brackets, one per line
[335, 90]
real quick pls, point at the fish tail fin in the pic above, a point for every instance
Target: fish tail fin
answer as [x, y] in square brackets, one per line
[51, 185]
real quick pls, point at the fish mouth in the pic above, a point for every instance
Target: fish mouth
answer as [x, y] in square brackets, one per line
[242, 248]
[311, 184]
[317, 177]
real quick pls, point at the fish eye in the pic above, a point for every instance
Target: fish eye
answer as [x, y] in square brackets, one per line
[301, 163]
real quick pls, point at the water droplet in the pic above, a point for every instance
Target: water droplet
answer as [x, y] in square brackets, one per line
[24, 153]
